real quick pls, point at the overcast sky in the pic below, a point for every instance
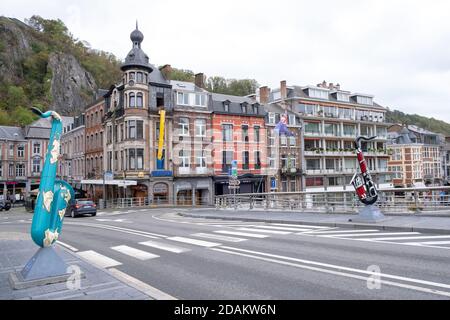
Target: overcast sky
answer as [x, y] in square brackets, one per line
[397, 50]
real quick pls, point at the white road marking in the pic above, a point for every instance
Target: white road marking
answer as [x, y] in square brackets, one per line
[218, 237]
[407, 238]
[283, 228]
[370, 234]
[68, 246]
[343, 231]
[141, 286]
[120, 229]
[427, 243]
[196, 242]
[299, 225]
[135, 253]
[344, 274]
[163, 246]
[244, 234]
[265, 231]
[98, 259]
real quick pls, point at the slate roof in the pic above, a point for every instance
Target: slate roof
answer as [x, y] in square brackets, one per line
[235, 105]
[11, 133]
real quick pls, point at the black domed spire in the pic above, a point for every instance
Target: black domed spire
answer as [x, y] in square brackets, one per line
[136, 57]
[136, 36]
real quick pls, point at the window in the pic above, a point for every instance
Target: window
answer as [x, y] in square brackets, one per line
[307, 108]
[312, 128]
[36, 148]
[292, 120]
[381, 132]
[330, 164]
[334, 181]
[116, 160]
[139, 100]
[132, 75]
[226, 107]
[11, 150]
[1, 169]
[200, 158]
[245, 160]
[314, 182]
[271, 138]
[140, 129]
[109, 164]
[200, 100]
[284, 161]
[366, 131]
[271, 118]
[227, 132]
[184, 126]
[364, 100]
[349, 130]
[132, 103]
[293, 186]
[36, 165]
[343, 96]
[257, 160]
[227, 158]
[184, 158]
[345, 113]
[397, 154]
[132, 159]
[317, 93]
[245, 133]
[312, 164]
[255, 109]
[244, 108]
[284, 185]
[132, 129]
[140, 159]
[257, 129]
[21, 151]
[292, 141]
[200, 127]
[139, 77]
[283, 141]
[183, 98]
[20, 170]
[11, 170]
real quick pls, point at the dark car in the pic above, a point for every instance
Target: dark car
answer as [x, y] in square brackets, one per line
[5, 205]
[81, 207]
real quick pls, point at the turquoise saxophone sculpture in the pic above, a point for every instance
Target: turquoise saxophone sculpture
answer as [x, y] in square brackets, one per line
[54, 195]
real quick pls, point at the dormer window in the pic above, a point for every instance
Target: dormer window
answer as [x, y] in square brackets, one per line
[226, 106]
[364, 100]
[244, 107]
[255, 108]
[341, 96]
[318, 93]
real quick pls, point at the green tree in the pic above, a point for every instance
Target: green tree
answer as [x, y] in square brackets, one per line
[182, 75]
[16, 97]
[22, 116]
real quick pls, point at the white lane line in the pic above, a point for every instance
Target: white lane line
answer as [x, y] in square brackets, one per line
[218, 237]
[349, 275]
[98, 259]
[370, 234]
[126, 230]
[265, 231]
[407, 238]
[68, 246]
[345, 231]
[244, 234]
[427, 243]
[164, 246]
[195, 242]
[143, 287]
[299, 225]
[283, 228]
[135, 253]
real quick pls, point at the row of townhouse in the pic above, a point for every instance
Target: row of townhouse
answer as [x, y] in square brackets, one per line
[169, 141]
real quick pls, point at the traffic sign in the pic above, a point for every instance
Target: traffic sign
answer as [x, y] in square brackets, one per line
[233, 187]
[234, 182]
[234, 170]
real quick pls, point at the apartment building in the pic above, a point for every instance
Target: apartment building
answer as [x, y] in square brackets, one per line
[132, 123]
[416, 156]
[239, 133]
[72, 164]
[192, 163]
[446, 160]
[331, 119]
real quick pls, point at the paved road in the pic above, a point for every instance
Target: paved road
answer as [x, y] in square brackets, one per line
[189, 258]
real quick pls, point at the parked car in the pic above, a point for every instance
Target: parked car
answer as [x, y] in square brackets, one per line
[81, 207]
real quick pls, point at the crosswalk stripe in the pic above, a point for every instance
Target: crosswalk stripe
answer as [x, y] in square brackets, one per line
[344, 231]
[408, 238]
[283, 228]
[371, 234]
[427, 243]
[164, 246]
[98, 259]
[299, 225]
[218, 237]
[244, 234]
[265, 231]
[195, 242]
[135, 253]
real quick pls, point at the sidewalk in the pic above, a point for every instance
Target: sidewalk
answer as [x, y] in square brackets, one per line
[98, 284]
[413, 223]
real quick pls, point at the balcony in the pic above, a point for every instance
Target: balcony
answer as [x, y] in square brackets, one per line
[290, 171]
[184, 171]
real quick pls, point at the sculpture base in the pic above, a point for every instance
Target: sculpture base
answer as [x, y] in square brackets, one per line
[370, 214]
[45, 267]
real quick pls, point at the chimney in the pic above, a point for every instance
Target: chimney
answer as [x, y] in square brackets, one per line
[200, 80]
[323, 84]
[338, 87]
[166, 70]
[264, 95]
[283, 90]
[331, 86]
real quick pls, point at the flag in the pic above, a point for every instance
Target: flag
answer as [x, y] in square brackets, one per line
[282, 128]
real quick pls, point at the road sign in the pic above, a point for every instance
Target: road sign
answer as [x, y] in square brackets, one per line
[234, 187]
[234, 165]
[234, 182]
[273, 183]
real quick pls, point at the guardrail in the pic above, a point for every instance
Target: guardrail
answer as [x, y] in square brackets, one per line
[395, 200]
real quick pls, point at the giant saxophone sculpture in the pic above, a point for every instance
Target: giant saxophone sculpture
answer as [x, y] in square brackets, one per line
[362, 182]
[54, 195]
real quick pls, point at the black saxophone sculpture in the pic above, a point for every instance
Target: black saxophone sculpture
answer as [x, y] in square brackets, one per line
[362, 181]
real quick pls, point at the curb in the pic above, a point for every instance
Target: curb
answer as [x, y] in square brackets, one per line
[324, 224]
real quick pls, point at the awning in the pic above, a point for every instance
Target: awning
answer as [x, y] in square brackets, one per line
[119, 183]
